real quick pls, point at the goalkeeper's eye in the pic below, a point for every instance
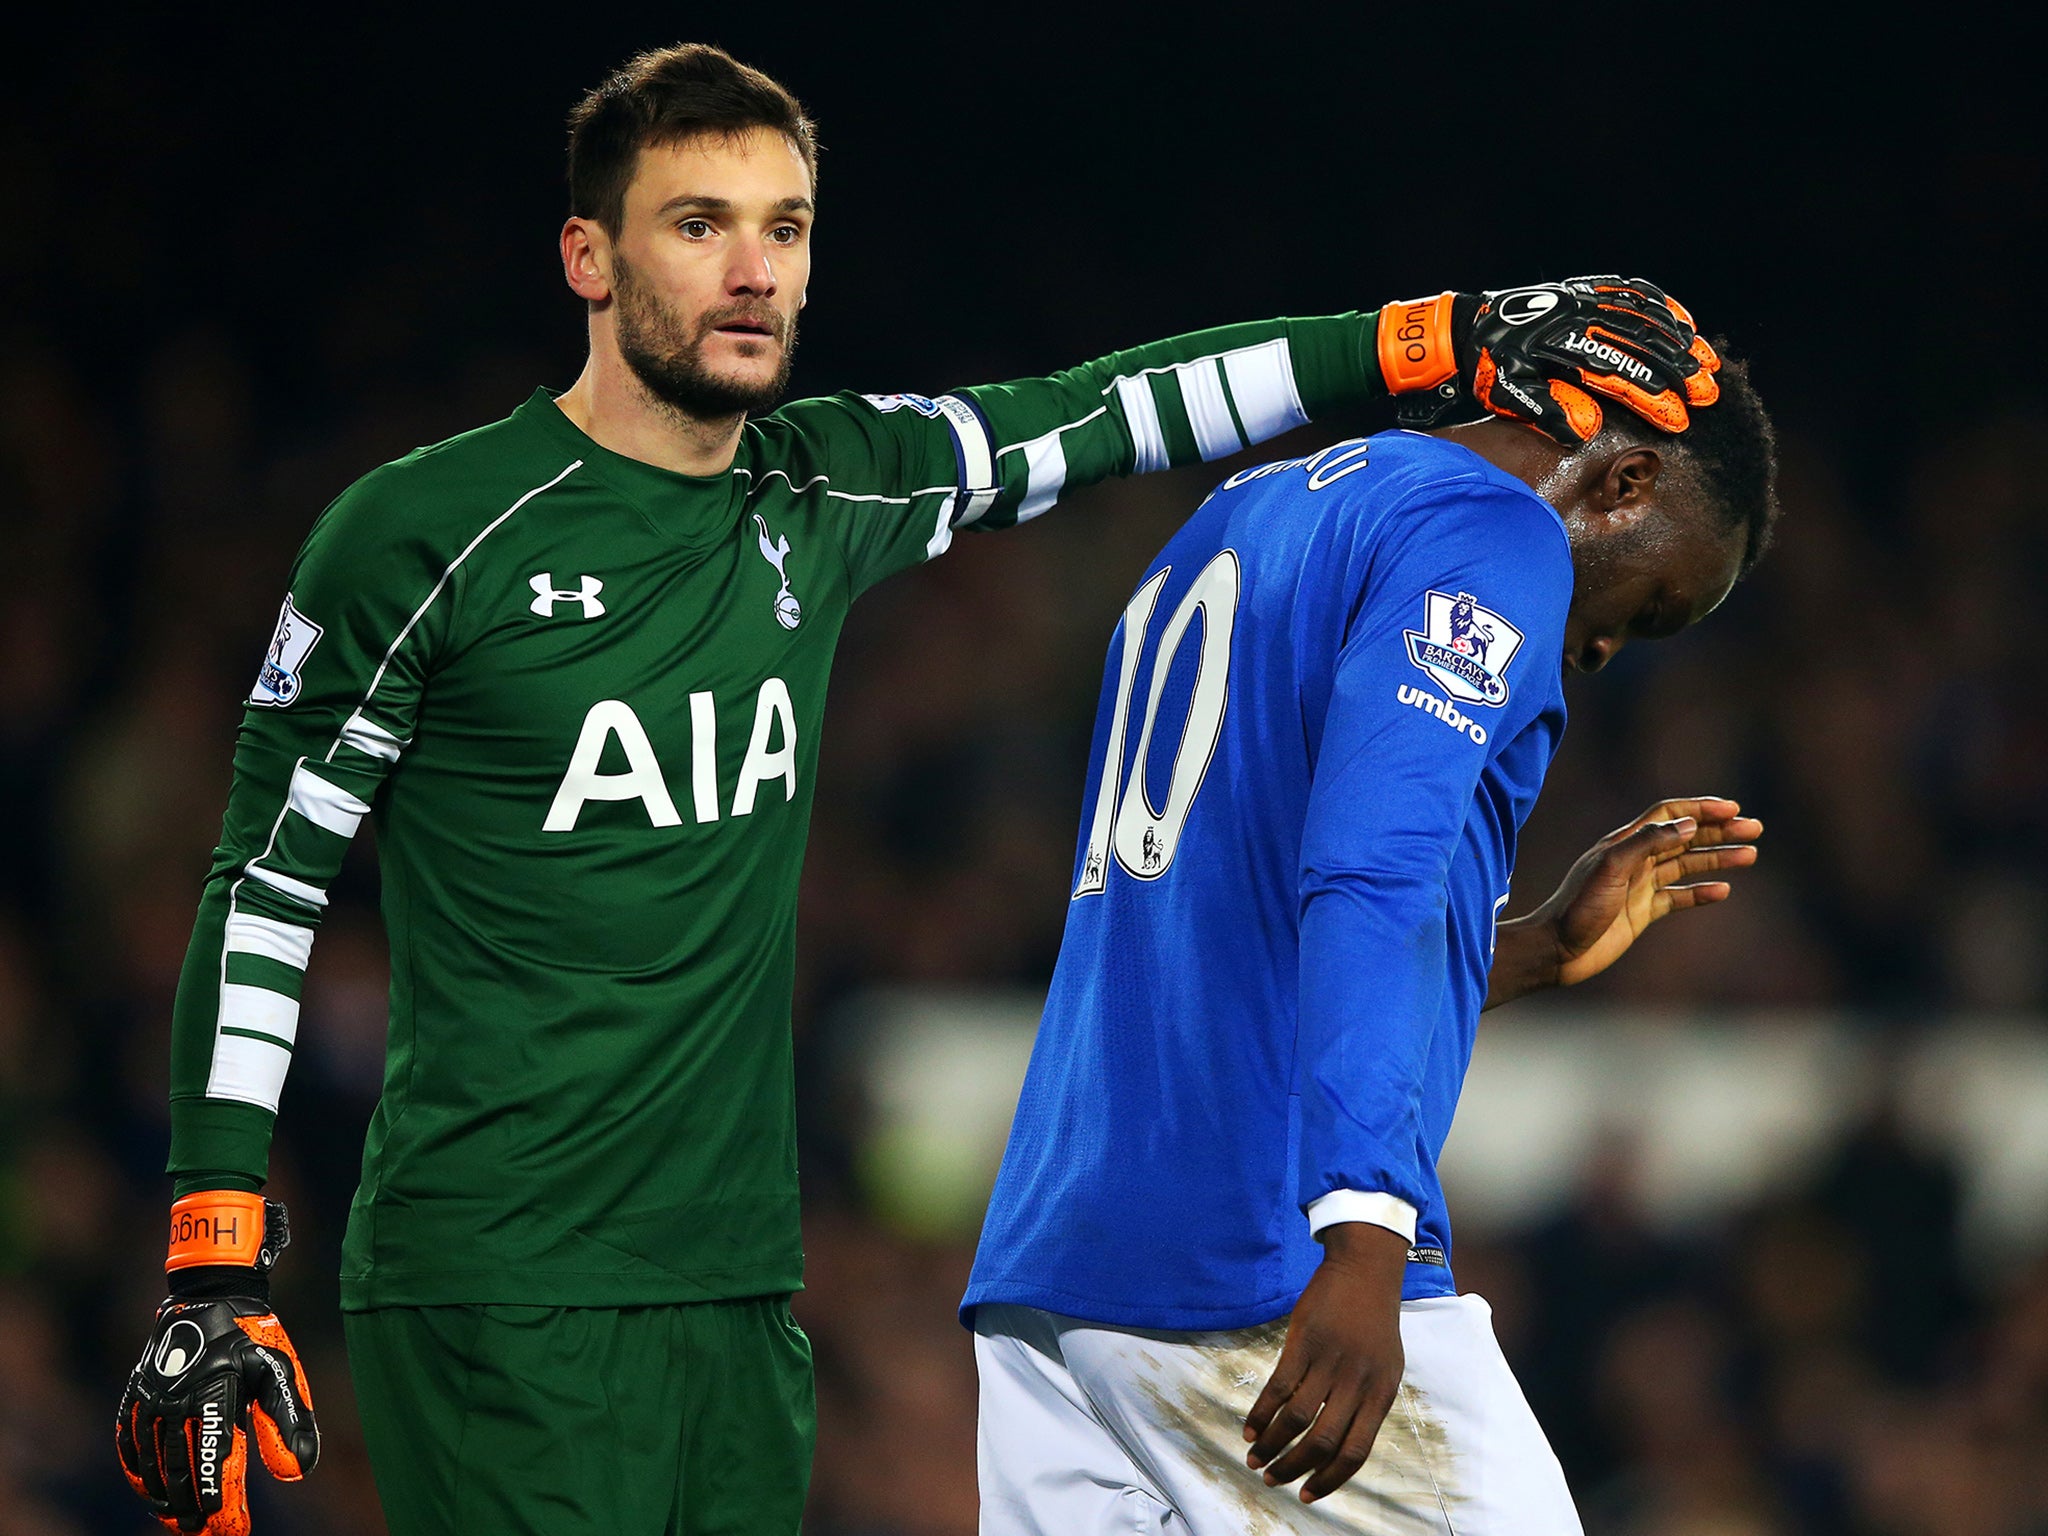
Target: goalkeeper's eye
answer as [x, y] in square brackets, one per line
[695, 229]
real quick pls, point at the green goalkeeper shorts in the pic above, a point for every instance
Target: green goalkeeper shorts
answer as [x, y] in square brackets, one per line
[688, 1420]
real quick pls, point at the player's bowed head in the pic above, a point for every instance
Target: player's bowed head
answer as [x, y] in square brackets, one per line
[1662, 524]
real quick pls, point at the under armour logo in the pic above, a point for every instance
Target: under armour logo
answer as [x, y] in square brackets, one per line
[545, 595]
[788, 612]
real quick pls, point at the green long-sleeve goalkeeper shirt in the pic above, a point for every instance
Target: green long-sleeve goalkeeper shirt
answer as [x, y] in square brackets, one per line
[581, 697]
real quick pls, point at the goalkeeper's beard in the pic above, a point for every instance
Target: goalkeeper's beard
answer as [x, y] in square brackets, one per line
[666, 353]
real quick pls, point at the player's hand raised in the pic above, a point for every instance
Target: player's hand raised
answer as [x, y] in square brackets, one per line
[1340, 1368]
[1546, 355]
[1664, 861]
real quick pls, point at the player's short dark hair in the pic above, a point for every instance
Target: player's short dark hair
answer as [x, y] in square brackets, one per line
[668, 96]
[1730, 450]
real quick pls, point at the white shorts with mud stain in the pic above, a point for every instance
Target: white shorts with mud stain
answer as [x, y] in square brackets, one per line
[1088, 1430]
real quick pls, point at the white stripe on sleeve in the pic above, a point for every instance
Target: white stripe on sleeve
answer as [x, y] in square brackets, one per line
[249, 934]
[244, 1067]
[251, 1071]
[260, 1009]
[370, 738]
[942, 535]
[1045, 467]
[1262, 385]
[326, 805]
[1141, 415]
[1201, 391]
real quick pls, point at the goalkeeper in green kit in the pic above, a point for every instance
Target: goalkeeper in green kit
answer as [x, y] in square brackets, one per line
[574, 665]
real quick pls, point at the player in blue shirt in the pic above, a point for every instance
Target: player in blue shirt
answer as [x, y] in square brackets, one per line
[1326, 713]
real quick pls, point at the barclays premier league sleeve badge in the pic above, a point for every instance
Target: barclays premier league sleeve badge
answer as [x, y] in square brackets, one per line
[1464, 648]
[924, 405]
[278, 683]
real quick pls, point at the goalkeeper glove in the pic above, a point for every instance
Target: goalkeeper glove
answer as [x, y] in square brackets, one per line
[1541, 355]
[216, 1366]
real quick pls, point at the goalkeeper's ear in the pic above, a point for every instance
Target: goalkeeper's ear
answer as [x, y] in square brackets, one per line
[587, 260]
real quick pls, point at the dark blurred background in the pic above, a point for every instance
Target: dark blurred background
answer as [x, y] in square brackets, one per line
[246, 259]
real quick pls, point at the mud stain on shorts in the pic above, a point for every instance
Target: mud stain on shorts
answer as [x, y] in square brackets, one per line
[1197, 1390]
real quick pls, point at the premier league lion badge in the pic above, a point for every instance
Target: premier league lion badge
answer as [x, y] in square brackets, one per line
[1464, 648]
[281, 676]
[924, 405]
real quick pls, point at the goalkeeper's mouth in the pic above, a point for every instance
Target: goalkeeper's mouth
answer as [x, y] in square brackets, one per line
[749, 327]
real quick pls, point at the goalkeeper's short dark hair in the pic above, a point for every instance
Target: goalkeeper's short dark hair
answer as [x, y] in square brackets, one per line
[1730, 451]
[667, 96]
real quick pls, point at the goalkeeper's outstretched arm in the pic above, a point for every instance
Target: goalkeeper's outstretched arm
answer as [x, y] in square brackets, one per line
[995, 455]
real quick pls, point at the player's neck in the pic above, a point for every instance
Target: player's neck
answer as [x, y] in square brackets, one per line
[1515, 450]
[610, 405]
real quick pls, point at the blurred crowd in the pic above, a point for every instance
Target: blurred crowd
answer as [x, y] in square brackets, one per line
[1824, 1363]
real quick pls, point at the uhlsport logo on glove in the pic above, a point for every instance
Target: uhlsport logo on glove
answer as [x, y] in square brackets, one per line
[1613, 357]
[213, 1430]
[181, 1345]
[1464, 648]
[1519, 306]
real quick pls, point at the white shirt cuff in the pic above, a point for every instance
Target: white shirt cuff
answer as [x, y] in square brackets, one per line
[1382, 1210]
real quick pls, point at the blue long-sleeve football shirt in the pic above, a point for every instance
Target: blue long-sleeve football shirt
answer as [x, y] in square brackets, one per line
[1324, 717]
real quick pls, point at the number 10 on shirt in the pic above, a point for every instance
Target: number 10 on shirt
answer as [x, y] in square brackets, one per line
[1143, 838]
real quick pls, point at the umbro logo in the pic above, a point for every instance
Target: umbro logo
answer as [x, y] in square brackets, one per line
[546, 595]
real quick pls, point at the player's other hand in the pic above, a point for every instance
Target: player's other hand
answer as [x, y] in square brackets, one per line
[1666, 860]
[1340, 1367]
[1546, 355]
[216, 1370]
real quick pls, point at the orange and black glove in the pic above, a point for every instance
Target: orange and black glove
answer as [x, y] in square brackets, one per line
[217, 1367]
[1546, 355]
